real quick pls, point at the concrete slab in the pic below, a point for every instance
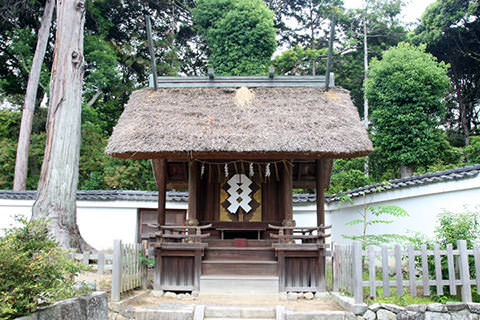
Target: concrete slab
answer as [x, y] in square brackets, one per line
[238, 284]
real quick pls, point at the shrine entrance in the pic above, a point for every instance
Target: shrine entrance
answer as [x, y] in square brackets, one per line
[240, 225]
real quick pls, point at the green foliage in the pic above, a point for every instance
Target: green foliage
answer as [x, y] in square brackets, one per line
[449, 28]
[9, 129]
[305, 23]
[406, 299]
[458, 226]
[145, 260]
[451, 227]
[300, 61]
[34, 270]
[348, 174]
[384, 30]
[406, 90]
[448, 157]
[373, 215]
[17, 57]
[472, 152]
[99, 171]
[102, 67]
[239, 34]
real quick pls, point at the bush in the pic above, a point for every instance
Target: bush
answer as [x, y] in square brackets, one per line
[472, 152]
[34, 270]
[458, 226]
[451, 227]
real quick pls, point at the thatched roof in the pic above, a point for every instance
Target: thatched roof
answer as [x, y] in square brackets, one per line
[296, 122]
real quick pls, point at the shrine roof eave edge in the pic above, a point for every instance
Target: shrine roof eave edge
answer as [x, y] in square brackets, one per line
[257, 155]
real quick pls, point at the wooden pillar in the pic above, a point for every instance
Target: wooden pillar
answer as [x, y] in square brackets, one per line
[286, 191]
[160, 172]
[320, 190]
[193, 181]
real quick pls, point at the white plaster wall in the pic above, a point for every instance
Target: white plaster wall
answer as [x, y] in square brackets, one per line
[99, 222]
[100, 226]
[10, 208]
[422, 203]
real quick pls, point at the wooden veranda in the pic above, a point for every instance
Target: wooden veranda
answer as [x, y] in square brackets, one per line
[240, 146]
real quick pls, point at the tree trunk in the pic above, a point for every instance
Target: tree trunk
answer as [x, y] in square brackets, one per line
[462, 110]
[21, 162]
[57, 186]
[406, 171]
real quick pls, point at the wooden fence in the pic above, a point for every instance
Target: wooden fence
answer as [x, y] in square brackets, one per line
[129, 272]
[350, 261]
[99, 261]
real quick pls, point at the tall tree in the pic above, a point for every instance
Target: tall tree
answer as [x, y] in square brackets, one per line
[300, 61]
[380, 20]
[56, 193]
[239, 34]
[407, 90]
[21, 162]
[305, 22]
[451, 31]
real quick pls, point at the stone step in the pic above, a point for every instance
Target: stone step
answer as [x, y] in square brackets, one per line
[239, 318]
[239, 267]
[237, 312]
[235, 284]
[234, 253]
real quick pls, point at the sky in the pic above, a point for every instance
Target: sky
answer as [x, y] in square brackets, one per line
[411, 12]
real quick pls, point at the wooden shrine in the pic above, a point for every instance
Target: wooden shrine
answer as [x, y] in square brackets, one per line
[240, 145]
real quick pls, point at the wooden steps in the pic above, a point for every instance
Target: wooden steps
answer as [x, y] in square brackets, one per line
[223, 258]
[229, 243]
[234, 253]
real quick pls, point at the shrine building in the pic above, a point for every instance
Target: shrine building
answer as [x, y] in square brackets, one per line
[239, 145]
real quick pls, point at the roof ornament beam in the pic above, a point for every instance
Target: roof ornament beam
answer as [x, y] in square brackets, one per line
[330, 53]
[152, 52]
[270, 81]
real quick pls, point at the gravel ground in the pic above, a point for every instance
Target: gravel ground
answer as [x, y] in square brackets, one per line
[241, 300]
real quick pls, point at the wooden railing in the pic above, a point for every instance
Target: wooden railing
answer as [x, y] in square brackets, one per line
[304, 234]
[187, 234]
[350, 260]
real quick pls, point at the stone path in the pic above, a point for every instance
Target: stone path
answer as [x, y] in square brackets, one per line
[232, 307]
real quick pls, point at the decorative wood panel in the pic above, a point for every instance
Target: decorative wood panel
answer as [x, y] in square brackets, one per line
[211, 195]
[254, 215]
